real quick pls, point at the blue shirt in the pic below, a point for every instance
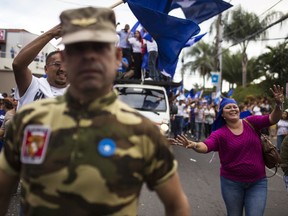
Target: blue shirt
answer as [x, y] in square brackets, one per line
[121, 67]
[123, 39]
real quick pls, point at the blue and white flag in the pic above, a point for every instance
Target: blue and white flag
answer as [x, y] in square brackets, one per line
[191, 93]
[214, 78]
[194, 40]
[135, 27]
[170, 33]
[230, 92]
[198, 94]
[200, 10]
[217, 98]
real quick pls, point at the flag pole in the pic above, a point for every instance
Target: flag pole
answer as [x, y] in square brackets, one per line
[116, 4]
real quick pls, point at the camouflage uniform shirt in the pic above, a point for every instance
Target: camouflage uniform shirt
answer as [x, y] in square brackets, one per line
[84, 159]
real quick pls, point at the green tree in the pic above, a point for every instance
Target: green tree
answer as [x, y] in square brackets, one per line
[241, 27]
[231, 69]
[275, 62]
[202, 60]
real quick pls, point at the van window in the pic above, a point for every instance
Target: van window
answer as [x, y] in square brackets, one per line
[143, 99]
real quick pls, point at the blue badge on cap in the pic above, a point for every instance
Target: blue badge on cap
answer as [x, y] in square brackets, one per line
[107, 147]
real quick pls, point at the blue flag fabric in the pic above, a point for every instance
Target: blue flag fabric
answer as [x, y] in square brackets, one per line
[200, 10]
[194, 40]
[171, 33]
[198, 94]
[136, 26]
[148, 37]
[156, 5]
[230, 92]
[191, 93]
[217, 98]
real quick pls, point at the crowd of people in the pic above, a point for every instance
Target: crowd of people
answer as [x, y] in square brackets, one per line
[7, 110]
[139, 55]
[81, 151]
[196, 116]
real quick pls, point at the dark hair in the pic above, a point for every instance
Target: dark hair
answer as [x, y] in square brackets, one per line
[51, 54]
[8, 103]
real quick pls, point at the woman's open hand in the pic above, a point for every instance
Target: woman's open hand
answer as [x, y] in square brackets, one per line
[278, 94]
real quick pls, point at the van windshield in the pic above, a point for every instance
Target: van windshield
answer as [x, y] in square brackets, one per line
[143, 99]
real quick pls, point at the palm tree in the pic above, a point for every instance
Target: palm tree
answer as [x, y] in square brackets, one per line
[231, 71]
[275, 62]
[203, 60]
[241, 27]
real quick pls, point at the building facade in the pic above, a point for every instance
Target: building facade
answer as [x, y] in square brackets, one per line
[11, 42]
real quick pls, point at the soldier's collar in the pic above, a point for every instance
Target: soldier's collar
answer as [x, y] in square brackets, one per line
[95, 104]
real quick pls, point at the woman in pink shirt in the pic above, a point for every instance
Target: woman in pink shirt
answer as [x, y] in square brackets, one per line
[242, 171]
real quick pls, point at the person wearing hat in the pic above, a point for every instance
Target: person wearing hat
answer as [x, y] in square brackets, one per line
[242, 172]
[31, 88]
[86, 152]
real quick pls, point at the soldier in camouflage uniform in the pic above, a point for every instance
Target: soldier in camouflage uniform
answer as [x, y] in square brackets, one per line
[87, 153]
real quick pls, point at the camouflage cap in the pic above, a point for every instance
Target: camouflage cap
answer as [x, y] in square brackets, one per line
[88, 24]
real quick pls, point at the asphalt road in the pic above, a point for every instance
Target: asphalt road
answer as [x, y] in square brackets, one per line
[199, 174]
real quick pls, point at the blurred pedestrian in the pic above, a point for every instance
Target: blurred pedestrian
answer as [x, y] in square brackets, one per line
[282, 129]
[136, 42]
[31, 88]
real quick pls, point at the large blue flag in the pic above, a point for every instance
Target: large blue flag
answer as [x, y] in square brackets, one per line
[156, 5]
[170, 33]
[200, 10]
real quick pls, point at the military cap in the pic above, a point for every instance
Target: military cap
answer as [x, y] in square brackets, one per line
[89, 24]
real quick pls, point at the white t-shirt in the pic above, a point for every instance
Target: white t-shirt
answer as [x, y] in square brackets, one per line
[151, 46]
[136, 45]
[39, 88]
[257, 110]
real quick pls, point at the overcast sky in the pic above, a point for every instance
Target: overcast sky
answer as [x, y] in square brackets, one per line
[37, 16]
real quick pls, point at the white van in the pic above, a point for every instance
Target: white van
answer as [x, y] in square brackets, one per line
[151, 101]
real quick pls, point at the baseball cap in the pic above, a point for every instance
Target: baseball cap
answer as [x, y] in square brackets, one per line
[89, 24]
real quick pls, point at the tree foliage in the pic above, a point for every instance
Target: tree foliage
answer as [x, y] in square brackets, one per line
[240, 27]
[273, 64]
[202, 60]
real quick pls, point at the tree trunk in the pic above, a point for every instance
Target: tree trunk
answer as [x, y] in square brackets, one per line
[244, 69]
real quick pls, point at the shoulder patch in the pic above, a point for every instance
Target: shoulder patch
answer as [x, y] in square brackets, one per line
[34, 145]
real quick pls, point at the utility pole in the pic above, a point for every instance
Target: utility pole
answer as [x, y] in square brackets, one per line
[219, 39]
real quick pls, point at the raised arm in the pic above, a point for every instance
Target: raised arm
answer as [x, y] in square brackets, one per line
[22, 73]
[278, 94]
[182, 140]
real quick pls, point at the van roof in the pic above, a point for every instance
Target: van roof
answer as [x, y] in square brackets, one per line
[148, 82]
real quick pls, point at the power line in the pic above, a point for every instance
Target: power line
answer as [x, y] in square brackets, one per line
[268, 39]
[242, 27]
[261, 30]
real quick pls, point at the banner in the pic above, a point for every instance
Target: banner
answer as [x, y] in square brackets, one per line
[214, 78]
[2, 35]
